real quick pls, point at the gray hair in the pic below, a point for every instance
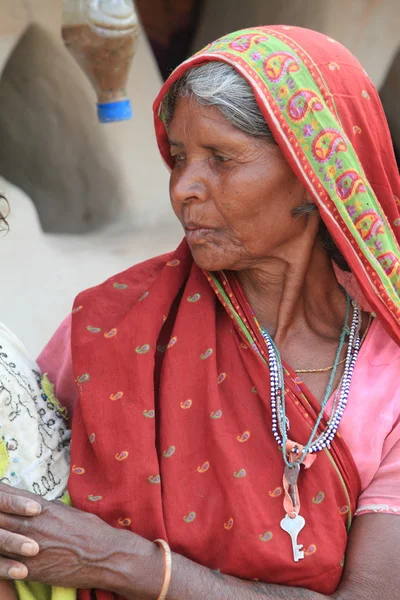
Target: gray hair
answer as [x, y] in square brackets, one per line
[219, 84]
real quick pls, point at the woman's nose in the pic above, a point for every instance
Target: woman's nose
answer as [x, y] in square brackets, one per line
[188, 184]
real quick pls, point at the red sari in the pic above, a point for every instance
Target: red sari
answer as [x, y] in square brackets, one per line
[172, 433]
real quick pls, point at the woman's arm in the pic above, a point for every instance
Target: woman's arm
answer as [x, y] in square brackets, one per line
[371, 572]
[80, 550]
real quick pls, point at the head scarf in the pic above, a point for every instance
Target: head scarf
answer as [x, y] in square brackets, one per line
[172, 432]
[327, 118]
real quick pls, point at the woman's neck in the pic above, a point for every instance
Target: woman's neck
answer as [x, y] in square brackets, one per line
[288, 296]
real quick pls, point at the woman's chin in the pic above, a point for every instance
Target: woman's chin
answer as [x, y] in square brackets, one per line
[207, 259]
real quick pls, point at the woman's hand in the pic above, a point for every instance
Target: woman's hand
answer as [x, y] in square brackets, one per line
[14, 544]
[74, 545]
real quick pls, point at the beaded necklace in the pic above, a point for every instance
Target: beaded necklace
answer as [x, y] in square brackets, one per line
[294, 454]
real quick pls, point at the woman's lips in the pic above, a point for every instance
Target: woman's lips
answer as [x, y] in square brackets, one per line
[197, 235]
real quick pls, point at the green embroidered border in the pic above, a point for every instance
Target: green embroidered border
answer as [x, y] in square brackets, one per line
[261, 48]
[233, 312]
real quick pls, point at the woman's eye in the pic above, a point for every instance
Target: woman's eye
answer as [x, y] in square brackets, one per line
[178, 158]
[222, 159]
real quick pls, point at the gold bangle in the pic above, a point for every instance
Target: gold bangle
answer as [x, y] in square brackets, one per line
[167, 568]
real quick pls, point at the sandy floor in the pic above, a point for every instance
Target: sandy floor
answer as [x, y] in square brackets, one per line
[41, 274]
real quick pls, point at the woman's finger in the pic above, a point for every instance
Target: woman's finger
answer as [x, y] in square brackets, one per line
[15, 504]
[12, 543]
[11, 569]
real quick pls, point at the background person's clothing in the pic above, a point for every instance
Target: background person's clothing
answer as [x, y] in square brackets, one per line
[34, 439]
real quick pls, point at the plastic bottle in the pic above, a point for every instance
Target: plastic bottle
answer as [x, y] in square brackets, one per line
[102, 36]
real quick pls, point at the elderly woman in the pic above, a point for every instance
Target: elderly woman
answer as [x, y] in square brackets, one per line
[237, 399]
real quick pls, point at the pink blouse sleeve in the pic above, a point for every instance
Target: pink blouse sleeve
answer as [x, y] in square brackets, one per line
[383, 493]
[56, 360]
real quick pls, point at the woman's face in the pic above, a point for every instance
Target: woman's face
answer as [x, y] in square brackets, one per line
[233, 193]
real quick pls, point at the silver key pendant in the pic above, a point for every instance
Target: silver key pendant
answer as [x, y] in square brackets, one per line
[293, 528]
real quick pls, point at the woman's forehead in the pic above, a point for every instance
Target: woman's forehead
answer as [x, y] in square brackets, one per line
[188, 113]
[205, 126]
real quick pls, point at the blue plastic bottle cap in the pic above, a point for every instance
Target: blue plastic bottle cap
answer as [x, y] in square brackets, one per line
[108, 112]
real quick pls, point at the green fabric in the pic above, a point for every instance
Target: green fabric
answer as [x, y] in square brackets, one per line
[27, 590]
[38, 591]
